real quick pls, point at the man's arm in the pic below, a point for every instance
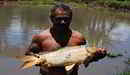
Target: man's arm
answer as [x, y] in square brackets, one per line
[34, 46]
[101, 52]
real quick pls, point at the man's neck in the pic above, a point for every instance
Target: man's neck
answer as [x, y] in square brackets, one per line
[61, 36]
[57, 30]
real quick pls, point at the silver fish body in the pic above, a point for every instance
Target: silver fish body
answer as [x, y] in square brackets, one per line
[67, 56]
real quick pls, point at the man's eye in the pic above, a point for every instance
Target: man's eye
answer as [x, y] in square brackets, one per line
[58, 19]
[66, 19]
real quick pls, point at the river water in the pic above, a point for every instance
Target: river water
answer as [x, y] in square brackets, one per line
[101, 27]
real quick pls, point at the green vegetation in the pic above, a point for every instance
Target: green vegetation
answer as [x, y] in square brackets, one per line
[114, 4]
[113, 55]
[124, 73]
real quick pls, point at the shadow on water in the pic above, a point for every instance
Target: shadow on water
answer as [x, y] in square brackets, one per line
[102, 28]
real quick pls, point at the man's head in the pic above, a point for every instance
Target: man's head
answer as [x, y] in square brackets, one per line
[61, 15]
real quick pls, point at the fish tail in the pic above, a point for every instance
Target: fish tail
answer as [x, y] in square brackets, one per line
[29, 61]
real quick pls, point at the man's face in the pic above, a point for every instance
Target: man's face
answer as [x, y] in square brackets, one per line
[62, 18]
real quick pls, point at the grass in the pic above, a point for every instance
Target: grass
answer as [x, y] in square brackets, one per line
[116, 4]
[41, 4]
[124, 73]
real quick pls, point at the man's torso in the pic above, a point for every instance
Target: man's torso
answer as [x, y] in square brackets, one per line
[48, 43]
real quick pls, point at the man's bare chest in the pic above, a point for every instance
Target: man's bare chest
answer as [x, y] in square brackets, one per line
[50, 44]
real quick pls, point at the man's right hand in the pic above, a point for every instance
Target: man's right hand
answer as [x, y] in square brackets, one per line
[99, 54]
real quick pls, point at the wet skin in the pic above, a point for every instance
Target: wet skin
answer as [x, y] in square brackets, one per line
[47, 41]
[58, 36]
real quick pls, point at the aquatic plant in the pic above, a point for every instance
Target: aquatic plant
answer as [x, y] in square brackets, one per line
[123, 73]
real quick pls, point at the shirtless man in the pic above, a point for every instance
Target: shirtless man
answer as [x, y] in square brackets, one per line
[59, 35]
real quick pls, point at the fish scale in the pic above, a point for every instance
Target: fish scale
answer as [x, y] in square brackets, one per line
[66, 56]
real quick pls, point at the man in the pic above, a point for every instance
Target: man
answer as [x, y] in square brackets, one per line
[59, 35]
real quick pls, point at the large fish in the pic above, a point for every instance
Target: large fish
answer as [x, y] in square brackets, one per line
[67, 56]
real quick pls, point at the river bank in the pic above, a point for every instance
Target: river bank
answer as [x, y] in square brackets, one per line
[28, 19]
[114, 5]
[109, 4]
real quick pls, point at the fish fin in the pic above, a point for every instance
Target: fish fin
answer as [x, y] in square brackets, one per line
[27, 58]
[29, 61]
[27, 65]
[68, 68]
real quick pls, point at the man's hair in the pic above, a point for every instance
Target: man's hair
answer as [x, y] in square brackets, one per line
[64, 7]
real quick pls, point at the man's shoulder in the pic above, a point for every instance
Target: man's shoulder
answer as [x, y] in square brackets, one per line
[76, 34]
[78, 37]
[43, 34]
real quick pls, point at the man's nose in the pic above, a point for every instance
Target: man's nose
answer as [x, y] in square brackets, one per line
[62, 21]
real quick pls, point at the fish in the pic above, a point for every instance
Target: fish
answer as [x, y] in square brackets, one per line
[67, 56]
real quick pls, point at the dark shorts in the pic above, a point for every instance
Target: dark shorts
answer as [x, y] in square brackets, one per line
[59, 71]
[54, 71]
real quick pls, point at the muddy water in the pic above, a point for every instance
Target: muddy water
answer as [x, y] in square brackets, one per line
[102, 27]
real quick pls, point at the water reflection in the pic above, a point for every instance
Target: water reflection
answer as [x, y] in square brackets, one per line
[14, 33]
[110, 32]
[100, 28]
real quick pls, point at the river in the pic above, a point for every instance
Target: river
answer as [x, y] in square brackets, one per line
[104, 28]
